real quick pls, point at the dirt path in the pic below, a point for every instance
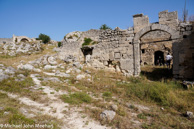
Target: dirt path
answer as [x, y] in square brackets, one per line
[55, 107]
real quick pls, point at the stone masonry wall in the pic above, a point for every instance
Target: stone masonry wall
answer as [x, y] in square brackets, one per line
[140, 21]
[169, 18]
[123, 50]
[115, 50]
[183, 67]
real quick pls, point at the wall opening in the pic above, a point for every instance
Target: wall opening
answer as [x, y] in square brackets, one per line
[24, 40]
[143, 51]
[87, 51]
[159, 58]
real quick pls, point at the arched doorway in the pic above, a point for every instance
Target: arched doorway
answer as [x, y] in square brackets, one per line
[24, 40]
[159, 58]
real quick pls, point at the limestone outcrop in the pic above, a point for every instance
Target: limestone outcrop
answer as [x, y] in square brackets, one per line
[13, 49]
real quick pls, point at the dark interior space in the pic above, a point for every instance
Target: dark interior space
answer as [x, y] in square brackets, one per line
[159, 58]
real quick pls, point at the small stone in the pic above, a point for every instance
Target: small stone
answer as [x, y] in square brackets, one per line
[1, 108]
[10, 70]
[20, 76]
[114, 107]
[69, 70]
[52, 79]
[78, 71]
[50, 67]
[6, 113]
[78, 65]
[80, 76]
[107, 115]
[25, 67]
[3, 76]
[189, 114]
[88, 72]
[37, 70]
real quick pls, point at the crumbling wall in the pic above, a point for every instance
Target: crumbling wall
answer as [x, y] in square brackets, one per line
[140, 21]
[71, 52]
[123, 50]
[114, 50]
[183, 54]
[72, 44]
[169, 18]
[21, 38]
[185, 29]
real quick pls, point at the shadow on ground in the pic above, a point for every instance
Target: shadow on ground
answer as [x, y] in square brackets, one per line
[157, 73]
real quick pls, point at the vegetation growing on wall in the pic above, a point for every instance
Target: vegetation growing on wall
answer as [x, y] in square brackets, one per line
[88, 41]
[59, 44]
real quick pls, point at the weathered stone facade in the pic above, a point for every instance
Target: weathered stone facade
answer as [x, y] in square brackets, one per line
[16, 39]
[183, 63]
[126, 50]
[115, 50]
[22, 39]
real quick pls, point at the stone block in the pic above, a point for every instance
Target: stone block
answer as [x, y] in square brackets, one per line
[124, 44]
[124, 56]
[117, 55]
[187, 33]
[166, 16]
[127, 64]
[105, 62]
[111, 55]
[104, 56]
[129, 39]
[175, 36]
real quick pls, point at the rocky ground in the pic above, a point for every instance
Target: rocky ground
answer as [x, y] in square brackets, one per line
[41, 89]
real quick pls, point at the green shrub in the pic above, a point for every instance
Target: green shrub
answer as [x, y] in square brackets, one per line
[87, 41]
[70, 37]
[10, 85]
[169, 94]
[59, 44]
[75, 35]
[141, 116]
[45, 38]
[104, 27]
[107, 94]
[77, 98]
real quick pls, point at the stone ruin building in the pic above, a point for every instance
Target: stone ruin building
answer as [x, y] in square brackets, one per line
[127, 50]
[16, 39]
[18, 45]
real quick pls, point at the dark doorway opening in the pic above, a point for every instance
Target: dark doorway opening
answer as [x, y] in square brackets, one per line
[24, 40]
[87, 51]
[159, 58]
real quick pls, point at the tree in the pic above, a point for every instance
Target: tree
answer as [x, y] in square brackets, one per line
[104, 27]
[45, 38]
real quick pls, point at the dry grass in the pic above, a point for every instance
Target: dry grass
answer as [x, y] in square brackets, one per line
[15, 116]
[160, 92]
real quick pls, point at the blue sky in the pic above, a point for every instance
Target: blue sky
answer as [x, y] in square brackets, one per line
[56, 18]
